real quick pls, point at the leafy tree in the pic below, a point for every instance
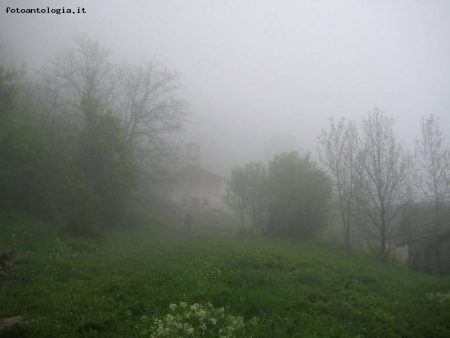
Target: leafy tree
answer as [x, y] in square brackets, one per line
[73, 205]
[340, 150]
[8, 90]
[23, 145]
[247, 194]
[78, 175]
[106, 161]
[384, 184]
[299, 196]
[433, 164]
[258, 195]
[237, 193]
[74, 147]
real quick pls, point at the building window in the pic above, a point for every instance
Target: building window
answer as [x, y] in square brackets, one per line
[206, 201]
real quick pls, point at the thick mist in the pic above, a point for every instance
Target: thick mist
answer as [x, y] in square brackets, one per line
[261, 77]
[314, 195]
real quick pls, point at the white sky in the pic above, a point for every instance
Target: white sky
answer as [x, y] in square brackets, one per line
[263, 76]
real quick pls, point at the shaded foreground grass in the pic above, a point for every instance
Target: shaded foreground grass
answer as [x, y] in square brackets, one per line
[65, 287]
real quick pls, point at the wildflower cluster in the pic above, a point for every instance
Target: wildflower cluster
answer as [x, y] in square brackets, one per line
[439, 297]
[196, 320]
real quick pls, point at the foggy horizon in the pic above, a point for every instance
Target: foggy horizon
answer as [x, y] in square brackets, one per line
[262, 77]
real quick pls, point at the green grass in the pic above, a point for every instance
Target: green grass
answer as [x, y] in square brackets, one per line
[68, 287]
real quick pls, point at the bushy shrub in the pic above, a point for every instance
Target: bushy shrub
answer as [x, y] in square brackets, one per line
[299, 196]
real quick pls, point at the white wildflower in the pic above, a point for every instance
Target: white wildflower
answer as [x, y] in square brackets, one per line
[169, 318]
[177, 322]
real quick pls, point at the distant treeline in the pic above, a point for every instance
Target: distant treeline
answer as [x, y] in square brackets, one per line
[370, 178]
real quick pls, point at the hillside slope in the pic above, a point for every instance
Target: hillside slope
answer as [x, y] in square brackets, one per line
[68, 287]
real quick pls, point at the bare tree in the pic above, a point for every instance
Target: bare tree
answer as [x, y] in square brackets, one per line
[433, 164]
[151, 113]
[142, 97]
[85, 70]
[340, 149]
[383, 179]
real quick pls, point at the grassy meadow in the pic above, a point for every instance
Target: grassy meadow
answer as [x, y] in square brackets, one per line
[206, 282]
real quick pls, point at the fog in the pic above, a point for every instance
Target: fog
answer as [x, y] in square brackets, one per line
[263, 76]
